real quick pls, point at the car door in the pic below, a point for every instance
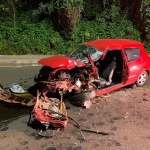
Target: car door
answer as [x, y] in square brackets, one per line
[125, 69]
[133, 62]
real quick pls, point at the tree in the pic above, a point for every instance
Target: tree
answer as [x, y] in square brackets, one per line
[68, 15]
[8, 8]
[139, 13]
[145, 17]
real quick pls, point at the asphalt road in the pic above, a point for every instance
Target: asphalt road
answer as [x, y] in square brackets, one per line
[123, 114]
[23, 76]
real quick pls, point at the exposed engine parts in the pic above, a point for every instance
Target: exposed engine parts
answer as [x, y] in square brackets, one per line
[78, 79]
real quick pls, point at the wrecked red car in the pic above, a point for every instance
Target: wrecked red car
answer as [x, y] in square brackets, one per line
[95, 68]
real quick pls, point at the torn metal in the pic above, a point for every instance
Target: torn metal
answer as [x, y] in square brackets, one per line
[8, 97]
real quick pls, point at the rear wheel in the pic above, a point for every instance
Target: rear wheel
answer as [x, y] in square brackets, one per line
[142, 79]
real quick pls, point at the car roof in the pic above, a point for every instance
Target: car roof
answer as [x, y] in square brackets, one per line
[103, 44]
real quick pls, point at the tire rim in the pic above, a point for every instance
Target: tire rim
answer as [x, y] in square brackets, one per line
[142, 79]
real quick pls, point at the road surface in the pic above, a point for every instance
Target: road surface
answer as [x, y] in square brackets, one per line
[23, 76]
[124, 114]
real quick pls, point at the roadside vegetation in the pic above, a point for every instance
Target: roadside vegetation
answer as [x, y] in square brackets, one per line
[58, 26]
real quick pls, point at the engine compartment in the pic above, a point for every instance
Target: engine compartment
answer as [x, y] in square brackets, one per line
[78, 79]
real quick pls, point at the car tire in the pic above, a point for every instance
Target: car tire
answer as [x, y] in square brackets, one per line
[142, 79]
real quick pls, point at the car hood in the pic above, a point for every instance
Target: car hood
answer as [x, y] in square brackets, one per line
[61, 61]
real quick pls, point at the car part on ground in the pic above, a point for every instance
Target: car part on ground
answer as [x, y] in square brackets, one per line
[51, 113]
[8, 97]
[16, 88]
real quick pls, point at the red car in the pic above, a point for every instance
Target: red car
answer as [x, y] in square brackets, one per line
[99, 66]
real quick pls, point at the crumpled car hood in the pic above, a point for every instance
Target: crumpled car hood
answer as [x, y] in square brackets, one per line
[61, 61]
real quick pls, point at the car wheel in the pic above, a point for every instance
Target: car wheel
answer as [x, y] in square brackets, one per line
[142, 79]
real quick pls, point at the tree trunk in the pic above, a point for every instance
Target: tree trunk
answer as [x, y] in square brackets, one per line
[68, 17]
[133, 7]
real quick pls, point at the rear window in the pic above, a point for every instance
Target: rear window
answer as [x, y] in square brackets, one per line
[132, 53]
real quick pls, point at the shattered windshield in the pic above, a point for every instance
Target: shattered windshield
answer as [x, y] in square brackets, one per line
[80, 54]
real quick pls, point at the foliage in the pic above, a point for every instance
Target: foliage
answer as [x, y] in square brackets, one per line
[91, 9]
[44, 9]
[145, 9]
[91, 30]
[69, 14]
[8, 8]
[33, 31]
[109, 24]
[67, 3]
[28, 38]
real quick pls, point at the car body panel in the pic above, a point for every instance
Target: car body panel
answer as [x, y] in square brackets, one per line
[109, 89]
[104, 44]
[60, 61]
[136, 67]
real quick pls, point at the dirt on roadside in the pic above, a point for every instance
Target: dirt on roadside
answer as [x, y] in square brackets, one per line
[124, 114]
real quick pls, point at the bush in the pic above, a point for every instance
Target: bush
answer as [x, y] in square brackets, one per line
[28, 38]
[100, 28]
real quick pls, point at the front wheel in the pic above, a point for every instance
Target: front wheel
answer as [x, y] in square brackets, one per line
[142, 79]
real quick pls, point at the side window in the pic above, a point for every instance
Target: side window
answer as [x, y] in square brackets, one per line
[132, 53]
